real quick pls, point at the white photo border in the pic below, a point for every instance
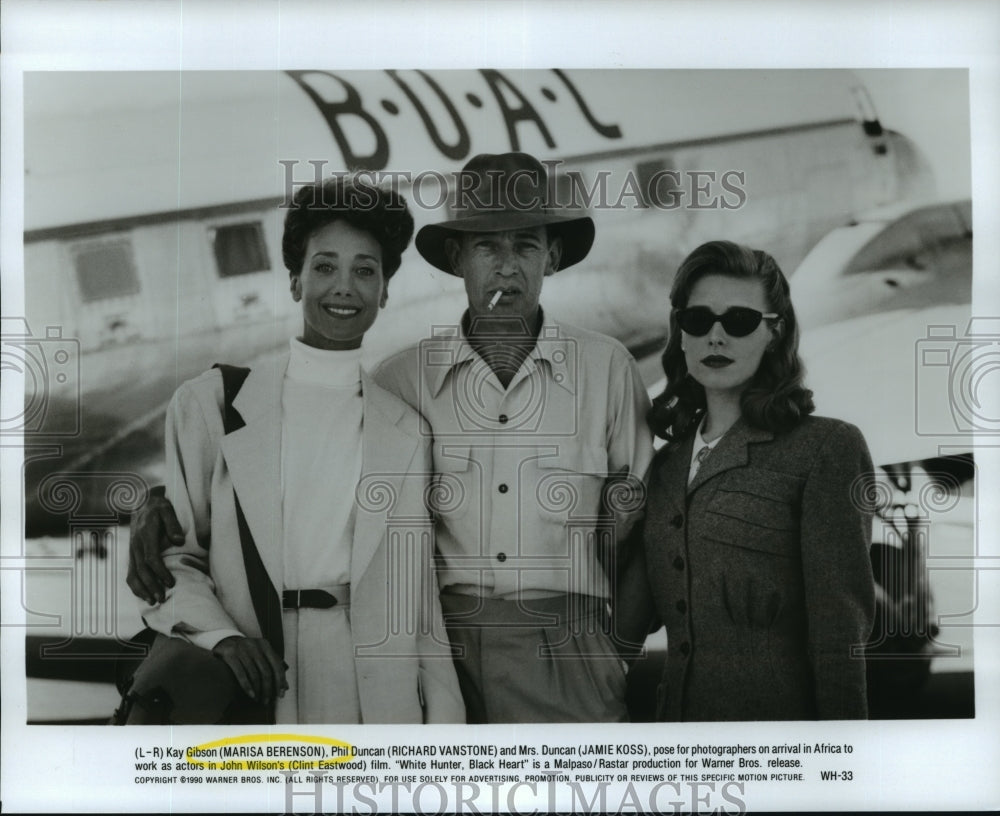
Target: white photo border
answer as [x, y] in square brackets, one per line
[912, 764]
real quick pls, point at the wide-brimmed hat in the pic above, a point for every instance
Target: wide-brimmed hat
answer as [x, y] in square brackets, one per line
[501, 192]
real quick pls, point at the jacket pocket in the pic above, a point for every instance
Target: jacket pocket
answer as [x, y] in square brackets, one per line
[762, 530]
[757, 509]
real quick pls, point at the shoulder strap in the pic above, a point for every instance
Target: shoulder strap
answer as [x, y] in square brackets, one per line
[266, 604]
[233, 378]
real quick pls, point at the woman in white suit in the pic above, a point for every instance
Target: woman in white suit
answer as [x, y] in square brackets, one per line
[306, 565]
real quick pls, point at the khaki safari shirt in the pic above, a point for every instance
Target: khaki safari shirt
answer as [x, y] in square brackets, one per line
[519, 492]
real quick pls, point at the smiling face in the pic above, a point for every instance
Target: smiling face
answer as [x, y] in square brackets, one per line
[719, 362]
[340, 286]
[512, 263]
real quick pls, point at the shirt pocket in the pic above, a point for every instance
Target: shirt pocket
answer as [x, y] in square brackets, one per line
[756, 509]
[570, 482]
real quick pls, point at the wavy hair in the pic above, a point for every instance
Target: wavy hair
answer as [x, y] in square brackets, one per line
[775, 399]
[380, 212]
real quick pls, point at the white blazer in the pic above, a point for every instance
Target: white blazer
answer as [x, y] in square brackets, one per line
[402, 658]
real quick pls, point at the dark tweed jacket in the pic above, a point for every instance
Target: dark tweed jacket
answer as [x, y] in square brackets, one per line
[760, 571]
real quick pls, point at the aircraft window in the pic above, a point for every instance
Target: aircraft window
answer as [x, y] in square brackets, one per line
[240, 249]
[105, 270]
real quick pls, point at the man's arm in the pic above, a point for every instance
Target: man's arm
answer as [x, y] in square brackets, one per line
[633, 614]
[153, 529]
[190, 607]
[629, 444]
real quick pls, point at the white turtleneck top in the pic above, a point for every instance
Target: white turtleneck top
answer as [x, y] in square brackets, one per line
[321, 453]
[321, 416]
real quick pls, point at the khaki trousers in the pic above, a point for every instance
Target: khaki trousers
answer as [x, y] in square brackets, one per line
[544, 660]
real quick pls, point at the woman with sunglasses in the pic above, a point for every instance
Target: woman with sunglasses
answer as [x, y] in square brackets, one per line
[756, 538]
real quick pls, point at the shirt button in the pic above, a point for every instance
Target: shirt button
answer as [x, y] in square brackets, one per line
[678, 563]
[677, 521]
[503, 419]
[684, 648]
[682, 606]
[502, 488]
[501, 557]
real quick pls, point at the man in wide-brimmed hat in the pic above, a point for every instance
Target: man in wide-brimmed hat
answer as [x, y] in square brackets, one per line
[540, 443]
[530, 418]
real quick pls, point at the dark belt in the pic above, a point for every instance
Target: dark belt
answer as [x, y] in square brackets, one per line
[315, 598]
[461, 609]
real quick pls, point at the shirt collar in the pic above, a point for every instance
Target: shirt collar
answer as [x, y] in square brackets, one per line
[699, 440]
[448, 348]
[329, 369]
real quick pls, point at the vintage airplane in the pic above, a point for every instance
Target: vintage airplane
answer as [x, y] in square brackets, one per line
[153, 207]
[153, 213]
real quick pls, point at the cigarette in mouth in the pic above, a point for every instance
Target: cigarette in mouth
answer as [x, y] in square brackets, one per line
[495, 300]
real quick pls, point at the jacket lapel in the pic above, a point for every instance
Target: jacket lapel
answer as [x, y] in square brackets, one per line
[731, 452]
[253, 457]
[673, 475]
[387, 452]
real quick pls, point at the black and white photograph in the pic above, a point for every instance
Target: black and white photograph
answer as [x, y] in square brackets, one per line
[452, 431]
